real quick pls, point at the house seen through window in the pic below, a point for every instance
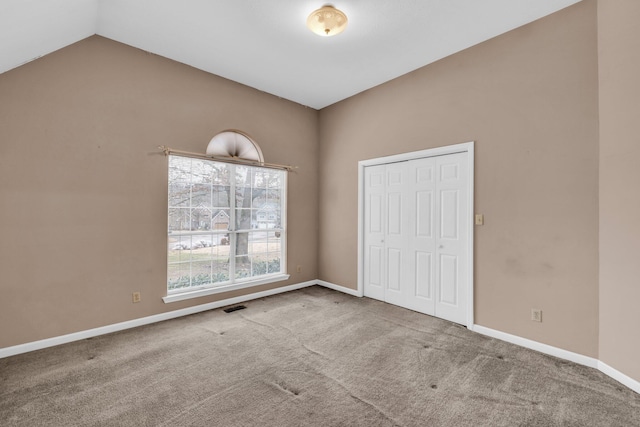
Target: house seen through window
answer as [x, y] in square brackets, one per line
[226, 224]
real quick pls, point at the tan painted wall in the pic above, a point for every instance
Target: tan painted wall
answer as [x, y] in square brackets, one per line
[529, 99]
[82, 191]
[83, 188]
[619, 56]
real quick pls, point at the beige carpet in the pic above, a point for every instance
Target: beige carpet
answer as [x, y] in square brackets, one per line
[312, 357]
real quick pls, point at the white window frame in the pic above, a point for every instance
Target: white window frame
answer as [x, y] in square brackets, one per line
[236, 283]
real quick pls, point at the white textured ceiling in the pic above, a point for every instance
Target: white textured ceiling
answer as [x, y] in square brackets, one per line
[265, 43]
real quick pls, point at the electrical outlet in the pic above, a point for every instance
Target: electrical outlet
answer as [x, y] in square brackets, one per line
[135, 297]
[536, 315]
[299, 269]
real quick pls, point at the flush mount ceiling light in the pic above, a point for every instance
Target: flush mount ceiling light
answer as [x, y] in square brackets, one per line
[327, 21]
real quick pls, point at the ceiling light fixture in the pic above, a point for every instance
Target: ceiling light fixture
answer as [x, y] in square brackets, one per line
[327, 21]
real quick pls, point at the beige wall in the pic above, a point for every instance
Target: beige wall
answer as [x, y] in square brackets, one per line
[619, 55]
[83, 186]
[529, 100]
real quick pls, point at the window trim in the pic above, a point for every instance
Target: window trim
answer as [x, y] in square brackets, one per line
[241, 283]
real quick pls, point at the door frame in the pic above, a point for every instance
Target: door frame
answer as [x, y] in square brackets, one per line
[467, 147]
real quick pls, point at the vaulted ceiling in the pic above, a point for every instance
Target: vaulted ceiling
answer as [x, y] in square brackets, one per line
[265, 43]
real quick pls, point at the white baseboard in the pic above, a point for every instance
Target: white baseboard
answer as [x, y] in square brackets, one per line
[538, 346]
[339, 288]
[533, 345]
[619, 376]
[562, 354]
[514, 339]
[76, 336]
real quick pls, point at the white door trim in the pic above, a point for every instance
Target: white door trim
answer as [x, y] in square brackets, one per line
[432, 152]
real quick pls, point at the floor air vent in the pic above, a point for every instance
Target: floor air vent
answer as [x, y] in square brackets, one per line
[236, 308]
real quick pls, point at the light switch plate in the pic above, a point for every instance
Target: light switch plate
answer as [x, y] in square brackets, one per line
[479, 219]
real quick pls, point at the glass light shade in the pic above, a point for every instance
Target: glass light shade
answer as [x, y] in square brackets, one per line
[327, 21]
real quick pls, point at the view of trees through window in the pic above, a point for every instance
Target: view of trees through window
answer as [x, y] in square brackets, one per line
[225, 222]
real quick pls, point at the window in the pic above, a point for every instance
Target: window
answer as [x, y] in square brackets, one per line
[227, 226]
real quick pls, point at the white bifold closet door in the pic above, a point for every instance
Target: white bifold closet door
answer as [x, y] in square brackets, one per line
[415, 235]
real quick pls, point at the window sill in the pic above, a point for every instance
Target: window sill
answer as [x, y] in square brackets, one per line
[181, 296]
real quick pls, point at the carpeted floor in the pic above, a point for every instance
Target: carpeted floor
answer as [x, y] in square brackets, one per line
[312, 357]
